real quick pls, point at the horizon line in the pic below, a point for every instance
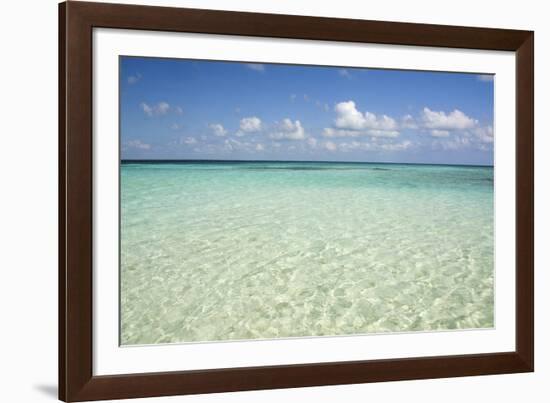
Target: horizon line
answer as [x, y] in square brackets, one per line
[169, 160]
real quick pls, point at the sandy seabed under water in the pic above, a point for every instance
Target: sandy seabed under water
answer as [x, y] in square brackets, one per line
[225, 251]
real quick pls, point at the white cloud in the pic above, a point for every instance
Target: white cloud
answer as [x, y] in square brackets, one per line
[330, 146]
[480, 138]
[485, 134]
[330, 132]
[349, 119]
[147, 109]
[134, 78]
[178, 110]
[217, 129]
[344, 73]
[451, 131]
[382, 133]
[375, 146]
[485, 77]
[404, 145]
[408, 122]
[456, 143]
[189, 140]
[289, 130]
[455, 120]
[161, 108]
[138, 144]
[255, 66]
[249, 125]
[312, 142]
[292, 97]
[351, 146]
[231, 144]
[483, 147]
[260, 147]
[439, 133]
[175, 126]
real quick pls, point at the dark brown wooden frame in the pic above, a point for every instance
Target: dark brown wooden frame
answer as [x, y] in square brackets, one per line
[76, 22]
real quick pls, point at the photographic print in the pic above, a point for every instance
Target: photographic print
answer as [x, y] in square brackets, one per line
[265, 201]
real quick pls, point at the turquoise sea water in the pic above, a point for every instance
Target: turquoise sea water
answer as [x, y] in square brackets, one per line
[225, 251]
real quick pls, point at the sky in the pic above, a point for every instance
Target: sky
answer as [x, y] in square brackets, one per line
[193, 109]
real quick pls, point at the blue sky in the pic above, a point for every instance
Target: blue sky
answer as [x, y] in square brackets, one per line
[189, 109]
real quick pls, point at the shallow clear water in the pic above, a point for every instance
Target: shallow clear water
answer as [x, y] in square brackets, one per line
[221, 251]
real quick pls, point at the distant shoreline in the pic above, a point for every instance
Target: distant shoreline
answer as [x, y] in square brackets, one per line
[213, 161]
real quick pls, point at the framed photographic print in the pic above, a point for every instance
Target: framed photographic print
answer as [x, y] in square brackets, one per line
[252, 201]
